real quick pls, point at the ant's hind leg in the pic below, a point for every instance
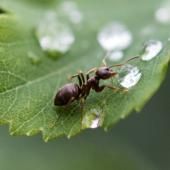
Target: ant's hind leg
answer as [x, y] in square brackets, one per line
[82, 100]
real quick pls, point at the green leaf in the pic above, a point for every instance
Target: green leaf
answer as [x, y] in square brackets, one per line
[27, 90]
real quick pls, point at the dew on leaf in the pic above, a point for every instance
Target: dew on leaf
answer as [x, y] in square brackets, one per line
[129, 76]
[115, 56]
[162, 14]
[151, 49]
[71, 11]
[114, 36]
[148, 30]
[53, 35]
[93, 119]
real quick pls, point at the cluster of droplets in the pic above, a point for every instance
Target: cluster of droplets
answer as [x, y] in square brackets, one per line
[129, 75]
[115, 38]
[54, 33]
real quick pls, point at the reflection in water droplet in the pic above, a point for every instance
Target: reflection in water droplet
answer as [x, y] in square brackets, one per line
[115, 55]
[70, 10]
[151, 49]
[54, 36]
[114, 36]
[162, 15]
[129, 76]
[33, 58]
[93, 119]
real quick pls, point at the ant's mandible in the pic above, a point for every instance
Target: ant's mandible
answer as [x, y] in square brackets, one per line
[72, 91]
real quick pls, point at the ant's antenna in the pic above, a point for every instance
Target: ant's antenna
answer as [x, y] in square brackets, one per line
[104, 59]
[118, 65]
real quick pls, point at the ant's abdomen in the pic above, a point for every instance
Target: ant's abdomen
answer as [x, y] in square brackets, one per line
[67, 94]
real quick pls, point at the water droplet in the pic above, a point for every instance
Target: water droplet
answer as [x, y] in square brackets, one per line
[70, 10]
[34, 58]
[129, 76]
[29, 133]
[115, 36]
[162, 15]
[148, 30]
[115, 56]
[93, 119]
[46, 139]
[151, 49]
[53, 35]
[122, 116]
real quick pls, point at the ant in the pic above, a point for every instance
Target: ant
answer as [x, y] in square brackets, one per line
[73, 91]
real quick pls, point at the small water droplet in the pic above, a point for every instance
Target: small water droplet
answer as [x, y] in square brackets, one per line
[29, 133]
[148, 30]
[122, 116]
[115, 36]
[151, 49]
[70, 10]
[115, 56]
[53, 35]
[162, 15]
[46, 139]
[34, 58]
[129, 76]
[93, 119]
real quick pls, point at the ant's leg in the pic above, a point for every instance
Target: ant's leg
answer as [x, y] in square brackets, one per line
[116, 88]
[82, 77]
[98, 88]
[79, 78]
[82, 100]
[89, 72]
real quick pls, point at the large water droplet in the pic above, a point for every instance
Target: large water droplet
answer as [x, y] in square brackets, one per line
[115, 36]
[92, 119]
[151, 49]
[129, 76]
[70, 10]
[54, 36]
[162, 15]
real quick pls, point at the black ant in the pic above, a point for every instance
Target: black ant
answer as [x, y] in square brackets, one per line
[73, 91]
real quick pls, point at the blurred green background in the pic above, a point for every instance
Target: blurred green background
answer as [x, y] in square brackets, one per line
[140, 142]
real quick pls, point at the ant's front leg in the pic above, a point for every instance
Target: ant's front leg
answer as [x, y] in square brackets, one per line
[90, 71]
[116, 88]
[98, 88]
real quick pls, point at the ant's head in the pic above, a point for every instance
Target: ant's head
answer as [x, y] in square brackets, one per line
[105, 73]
